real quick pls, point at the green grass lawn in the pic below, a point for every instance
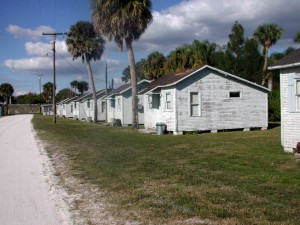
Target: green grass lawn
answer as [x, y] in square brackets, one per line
[228, 177]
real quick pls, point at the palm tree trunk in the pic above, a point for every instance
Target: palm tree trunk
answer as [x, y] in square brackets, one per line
[92, 84]
[135, 124]
[270, 81]
[264, 78]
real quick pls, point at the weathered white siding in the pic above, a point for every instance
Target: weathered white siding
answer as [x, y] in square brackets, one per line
[110, 109]
[119, 109]
[218, 110]
[101, 104]
[124, 110]
[290, 121]
[152, 115]
[59, 110]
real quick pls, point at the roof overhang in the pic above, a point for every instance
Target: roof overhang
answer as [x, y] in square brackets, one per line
[212, 68]
[284, 66]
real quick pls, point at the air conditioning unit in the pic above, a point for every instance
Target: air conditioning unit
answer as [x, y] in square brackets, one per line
[140, 106]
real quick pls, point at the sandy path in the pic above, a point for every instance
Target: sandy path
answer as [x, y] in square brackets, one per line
[25, 197]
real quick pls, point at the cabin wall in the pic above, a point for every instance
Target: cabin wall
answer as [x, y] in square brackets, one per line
[119, 107]
[290, 119]
[101, 109]
[218, 110]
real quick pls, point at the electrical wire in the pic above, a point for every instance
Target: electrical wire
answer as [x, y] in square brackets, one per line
[76, 68]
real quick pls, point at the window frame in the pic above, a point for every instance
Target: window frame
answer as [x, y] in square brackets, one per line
[297, 95]
[235, 92]
[103, 109]
[199, 104]
[166, 102]
[150, 102]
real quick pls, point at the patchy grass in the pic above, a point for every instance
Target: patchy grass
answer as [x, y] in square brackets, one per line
[223, 178]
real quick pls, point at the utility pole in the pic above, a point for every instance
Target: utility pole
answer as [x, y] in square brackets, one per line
[106, 93]
[40, 86]
[106, 78]
[54, 71]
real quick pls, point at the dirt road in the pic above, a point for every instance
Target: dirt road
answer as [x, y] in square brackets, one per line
[25, 196]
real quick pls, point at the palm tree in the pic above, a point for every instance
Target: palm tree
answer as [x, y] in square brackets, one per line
[6, 91]
[74, 85]
[82, 86]
[48, 91]
[84, 42]
[267, 35]
[154, 66]
[123, 21]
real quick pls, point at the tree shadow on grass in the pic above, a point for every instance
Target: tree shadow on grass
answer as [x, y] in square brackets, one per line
[273, 125]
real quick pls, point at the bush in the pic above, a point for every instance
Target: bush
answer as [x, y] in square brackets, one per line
[274, 105]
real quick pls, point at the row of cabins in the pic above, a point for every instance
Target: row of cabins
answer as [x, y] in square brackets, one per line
[200, 100]
[195, 100]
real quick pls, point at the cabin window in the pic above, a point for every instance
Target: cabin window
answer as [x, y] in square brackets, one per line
[71, 108]
[153, 101]
[88, 104]
[298, 94]
[112, 103]
[195, 104]
[64, 106]
[168, 105]
[75, 105]
[103, 107]
[234, 94]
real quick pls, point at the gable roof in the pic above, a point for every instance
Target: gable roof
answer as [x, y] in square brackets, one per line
[70, 100]
[290, 60]
[63, 101]
[80, 98]
[124, 88]
[99, 92]
[174, 78]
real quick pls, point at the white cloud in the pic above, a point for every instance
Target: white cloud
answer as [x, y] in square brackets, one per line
[213, 20]
[42, 49]
[28, 64]
[35, 34]
[117, 82]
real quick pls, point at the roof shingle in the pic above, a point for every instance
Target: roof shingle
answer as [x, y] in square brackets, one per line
[288, 60]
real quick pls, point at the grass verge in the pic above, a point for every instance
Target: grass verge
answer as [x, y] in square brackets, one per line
[225, 178]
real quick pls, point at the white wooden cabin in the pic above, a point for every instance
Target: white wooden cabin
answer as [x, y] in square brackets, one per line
[289, 67]
[84, 107]
[79, 108]
[60, 108]
[68, 107]
[88, 106]
[65, 107]
[119, 104]
[205, 99]
[47, 110]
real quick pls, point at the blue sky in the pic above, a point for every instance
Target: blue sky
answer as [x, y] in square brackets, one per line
[25, 53]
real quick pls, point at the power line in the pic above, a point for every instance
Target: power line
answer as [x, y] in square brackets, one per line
[76, 68]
